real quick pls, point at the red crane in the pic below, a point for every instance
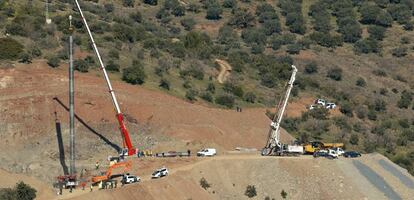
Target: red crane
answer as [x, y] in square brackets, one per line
[119, 115]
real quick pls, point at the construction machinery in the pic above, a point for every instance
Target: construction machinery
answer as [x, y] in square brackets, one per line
[274, 146]
[314, 146]
[107, 176]
[128, 148]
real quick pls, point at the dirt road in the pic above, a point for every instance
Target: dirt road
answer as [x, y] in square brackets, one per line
[225, 69]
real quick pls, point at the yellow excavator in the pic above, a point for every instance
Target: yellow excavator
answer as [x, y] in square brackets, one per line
[311, 147]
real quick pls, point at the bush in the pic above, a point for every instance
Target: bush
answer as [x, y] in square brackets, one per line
[319, 113]
[354, 139]
[21, 191]
[399, 52]
[250, 97]
[225, 100]
[128, 3]
[311, 68]
[204, 184]
[112, 66]
[53, 61]
[242, 19]
[188, 23]
[207, 96]
[379, 105]
[136, 16]
[405, 100]
[134, 74]
[346, 109]
[361, 82]
[214, 12]
[10, 49]
[283, 194]
[335, 74]
[376, 32]
[367, 46]
[293, 48]
[151, 2]
[191, 94]
[372, 115]
[250, 191]
[25, 58]
[164, 83]
[229, 3]
[194, 71]
[211, 88]
[81, 65]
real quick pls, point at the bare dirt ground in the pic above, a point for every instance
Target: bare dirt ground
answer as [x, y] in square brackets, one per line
[228, 175]
[34, 131]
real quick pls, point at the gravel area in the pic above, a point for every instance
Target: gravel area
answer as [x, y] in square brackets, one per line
[376, 180]
[407, 181]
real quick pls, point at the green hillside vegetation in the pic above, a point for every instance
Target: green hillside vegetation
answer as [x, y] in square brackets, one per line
[356, 53]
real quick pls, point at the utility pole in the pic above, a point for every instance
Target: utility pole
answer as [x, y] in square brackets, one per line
[72, 169]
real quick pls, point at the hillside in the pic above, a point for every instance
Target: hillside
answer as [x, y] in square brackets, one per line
[162, 59]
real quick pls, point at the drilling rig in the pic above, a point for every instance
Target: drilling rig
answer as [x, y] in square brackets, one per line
[274, 147]
[127, 144]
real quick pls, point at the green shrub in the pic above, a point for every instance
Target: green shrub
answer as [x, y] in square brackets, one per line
[134, 74]
[188, 23]
[372, 115]
[151, 2]
[211, 88]
[112, 66]
[405, 100]
[399, 52]
[194, 71]
[21, 191]
[380, 105]
[229, 3]
[250, 191]
[191, 94]
[311, 68]
[214, 12]
[204, 184]
[164, 83]
[225, 100]
[242, 18]
[367, 46]
[293, 48]
[53, 61]
[207, 96]
[283, 194]
[25, 58]
[319, 113]
[361, 82]
[250, 97]
[335, 73]
[128, 3]
[81, 65]
[376, 32]
[354, 139]
[10, 49]
[136, 16]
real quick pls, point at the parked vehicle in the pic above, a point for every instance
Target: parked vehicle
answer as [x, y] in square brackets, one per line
[351, 154]
[207, 152]
[160, 173]
[320, 102]
[338, 151]
[311, 107]
[127, 179]
[330, 106]
[328, 153]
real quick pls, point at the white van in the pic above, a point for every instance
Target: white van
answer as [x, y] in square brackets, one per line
[207, 152]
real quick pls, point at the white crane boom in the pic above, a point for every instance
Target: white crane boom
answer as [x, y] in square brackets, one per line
[273, 142]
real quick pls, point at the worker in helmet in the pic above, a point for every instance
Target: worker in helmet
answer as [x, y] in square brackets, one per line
[97, 165]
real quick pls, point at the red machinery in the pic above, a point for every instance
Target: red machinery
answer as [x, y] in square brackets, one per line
[127, 141]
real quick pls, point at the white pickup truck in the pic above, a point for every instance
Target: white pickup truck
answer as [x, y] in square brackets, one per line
[207, 152]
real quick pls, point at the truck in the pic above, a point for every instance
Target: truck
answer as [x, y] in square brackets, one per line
[274, 147]
[314, 146]
[207, 152]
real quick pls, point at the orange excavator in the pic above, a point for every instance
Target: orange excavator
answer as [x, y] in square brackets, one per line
[108, 174]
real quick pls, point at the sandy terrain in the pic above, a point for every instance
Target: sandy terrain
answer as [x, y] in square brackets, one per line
[225, 69]
[34, 132]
